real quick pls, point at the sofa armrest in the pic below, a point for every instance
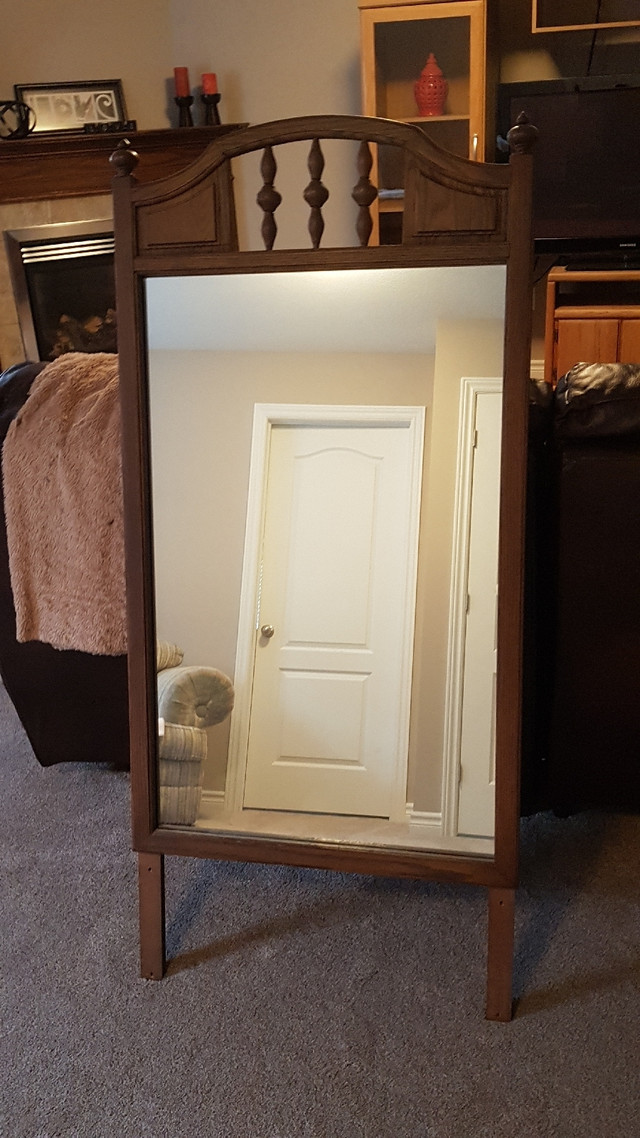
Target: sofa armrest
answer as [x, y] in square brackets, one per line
[194, 696]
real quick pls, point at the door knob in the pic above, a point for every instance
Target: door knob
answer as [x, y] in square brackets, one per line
[267, 630]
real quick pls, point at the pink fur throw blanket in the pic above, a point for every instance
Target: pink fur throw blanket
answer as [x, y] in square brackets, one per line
[63, 499]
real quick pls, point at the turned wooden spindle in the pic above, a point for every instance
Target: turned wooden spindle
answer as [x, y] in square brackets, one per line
[364, 193]
[316, 194]
[268, 197]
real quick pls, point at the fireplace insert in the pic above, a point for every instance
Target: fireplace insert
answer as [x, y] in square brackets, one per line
[63, 283]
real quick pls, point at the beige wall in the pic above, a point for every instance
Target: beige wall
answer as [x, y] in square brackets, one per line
[287, 57]
[276, 59]
[43, 41]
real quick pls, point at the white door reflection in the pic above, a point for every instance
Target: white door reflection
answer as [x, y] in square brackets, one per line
[332, 536]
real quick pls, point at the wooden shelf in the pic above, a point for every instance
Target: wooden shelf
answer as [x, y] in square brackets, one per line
[557, 16]
[436, 118]
[585, 27]
[77, 165]
[597, 312]
[567, 274]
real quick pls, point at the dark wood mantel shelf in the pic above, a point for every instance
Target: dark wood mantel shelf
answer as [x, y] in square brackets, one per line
[69, 166]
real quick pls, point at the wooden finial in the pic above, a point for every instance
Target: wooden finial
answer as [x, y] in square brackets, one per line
[523, 136]
[124, 159]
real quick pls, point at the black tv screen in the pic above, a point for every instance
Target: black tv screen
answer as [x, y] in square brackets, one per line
[586, 194]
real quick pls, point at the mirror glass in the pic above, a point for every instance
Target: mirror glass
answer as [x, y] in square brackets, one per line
[325, 481]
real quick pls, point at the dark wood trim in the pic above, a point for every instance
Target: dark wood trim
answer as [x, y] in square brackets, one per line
[376, 860]
[499, 1004]
[137, 522]
[42, 169]
[512, 518]
[152, 916]
[288, 260]
[443, 167]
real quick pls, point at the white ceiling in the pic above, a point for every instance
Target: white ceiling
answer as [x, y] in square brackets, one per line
[359, 310]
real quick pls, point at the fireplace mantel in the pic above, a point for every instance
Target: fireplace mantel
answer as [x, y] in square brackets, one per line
[68, 166]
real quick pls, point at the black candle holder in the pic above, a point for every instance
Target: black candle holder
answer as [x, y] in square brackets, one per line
[184, 103]
[211, 114]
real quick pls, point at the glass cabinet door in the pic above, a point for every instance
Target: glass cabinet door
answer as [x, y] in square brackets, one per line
[423, 63]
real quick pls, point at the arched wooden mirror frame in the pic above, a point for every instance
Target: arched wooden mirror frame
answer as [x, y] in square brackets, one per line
[456, 212]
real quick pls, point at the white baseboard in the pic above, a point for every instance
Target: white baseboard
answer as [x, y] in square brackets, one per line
[213, 797]
[537, 369]
[431, 818]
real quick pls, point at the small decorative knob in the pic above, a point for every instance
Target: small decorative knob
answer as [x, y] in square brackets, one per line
[124, 159]
[267, 630]
[523, 135]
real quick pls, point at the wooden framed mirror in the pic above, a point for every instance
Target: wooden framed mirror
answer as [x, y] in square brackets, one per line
[324, 465]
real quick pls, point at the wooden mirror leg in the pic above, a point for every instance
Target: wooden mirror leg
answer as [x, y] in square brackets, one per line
[500, 954]
[152, 927]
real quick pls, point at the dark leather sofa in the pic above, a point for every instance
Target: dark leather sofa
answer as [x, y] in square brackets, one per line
[594, 745]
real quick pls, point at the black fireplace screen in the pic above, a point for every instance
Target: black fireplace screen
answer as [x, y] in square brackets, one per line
[64, 288]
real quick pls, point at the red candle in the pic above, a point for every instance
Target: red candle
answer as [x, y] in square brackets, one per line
[210, 83]
[181, 79]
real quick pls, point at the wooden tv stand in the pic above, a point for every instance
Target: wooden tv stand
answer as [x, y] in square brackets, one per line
[592, 316]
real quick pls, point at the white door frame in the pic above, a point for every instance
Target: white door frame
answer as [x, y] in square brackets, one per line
[267, 416]
[470, 388]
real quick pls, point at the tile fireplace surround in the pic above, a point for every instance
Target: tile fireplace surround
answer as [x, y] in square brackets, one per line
[23, 215]
[44, 181]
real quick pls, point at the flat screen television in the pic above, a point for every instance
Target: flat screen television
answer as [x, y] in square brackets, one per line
[586, 191]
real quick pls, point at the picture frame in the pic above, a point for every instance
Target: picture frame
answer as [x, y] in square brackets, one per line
[71, 107]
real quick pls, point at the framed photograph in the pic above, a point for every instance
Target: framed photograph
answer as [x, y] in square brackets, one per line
[74, 106]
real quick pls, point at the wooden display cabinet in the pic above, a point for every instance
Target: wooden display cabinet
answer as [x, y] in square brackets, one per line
[396, 40]
[592, 316]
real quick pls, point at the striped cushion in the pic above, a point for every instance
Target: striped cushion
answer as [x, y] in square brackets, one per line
[167, 655]
[182, 744]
